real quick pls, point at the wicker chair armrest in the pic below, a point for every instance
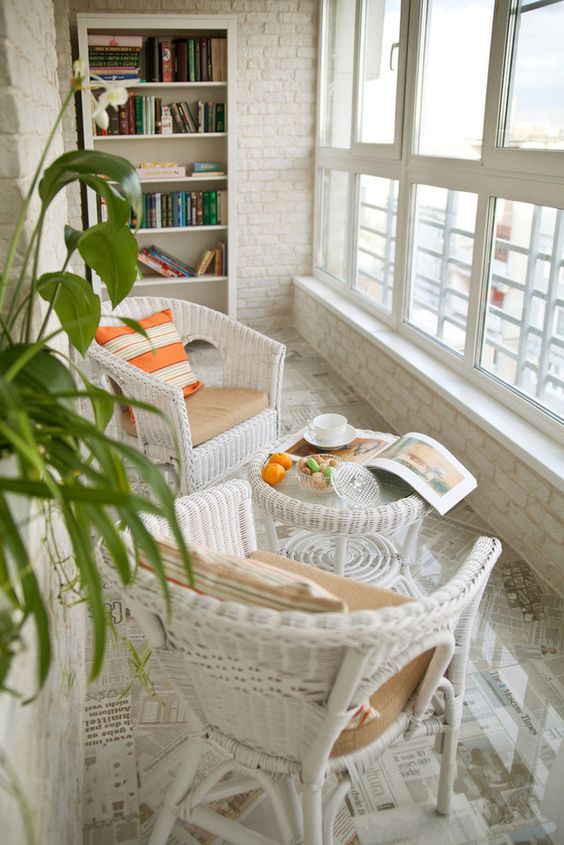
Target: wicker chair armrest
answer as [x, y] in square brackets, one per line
[221, 518]
[135, 383]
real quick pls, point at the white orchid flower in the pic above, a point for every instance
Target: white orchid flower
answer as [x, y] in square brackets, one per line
[78, 69]
[114, 95]
[100, 115]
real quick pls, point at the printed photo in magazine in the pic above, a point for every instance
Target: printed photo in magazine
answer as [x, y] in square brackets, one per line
[428, 467]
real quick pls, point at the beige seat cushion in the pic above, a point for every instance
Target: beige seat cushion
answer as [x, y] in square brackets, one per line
[392, 697]
[213, 410]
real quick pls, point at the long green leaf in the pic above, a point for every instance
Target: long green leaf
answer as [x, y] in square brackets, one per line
[113, 255]
[117, 206]
[33, 601]
[75, 303]
[76, 163]
[78, 528]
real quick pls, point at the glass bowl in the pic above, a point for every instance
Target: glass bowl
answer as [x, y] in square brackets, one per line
[317, 482]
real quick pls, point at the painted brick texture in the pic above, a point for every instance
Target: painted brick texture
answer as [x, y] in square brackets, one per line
[522, 508]
[41, 742]
[276, 91]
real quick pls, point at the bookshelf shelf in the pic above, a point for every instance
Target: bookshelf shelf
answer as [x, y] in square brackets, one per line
[187, 243]
[151, 281]
[184, 229]
[168, 137]
[138, 86]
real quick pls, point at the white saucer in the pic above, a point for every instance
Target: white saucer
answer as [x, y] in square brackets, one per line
[350, 434]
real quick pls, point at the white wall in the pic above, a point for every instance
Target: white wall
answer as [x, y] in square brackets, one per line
[276, 91]
[43, 740]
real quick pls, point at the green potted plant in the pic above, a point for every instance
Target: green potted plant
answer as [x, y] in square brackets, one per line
[55, 461]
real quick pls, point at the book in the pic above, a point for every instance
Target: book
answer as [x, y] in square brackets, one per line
[166, 121]
[158, 171]
[205, 262]
[166, 61]
[115, 40]
[181, 61]
[207, 167]
[421, 461]
[219, 123]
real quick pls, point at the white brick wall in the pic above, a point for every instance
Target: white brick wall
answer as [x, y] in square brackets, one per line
[42, 741]
[276, 90]
[522, 508]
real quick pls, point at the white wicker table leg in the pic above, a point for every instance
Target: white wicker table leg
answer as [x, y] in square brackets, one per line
[340, 553]
[271, 534]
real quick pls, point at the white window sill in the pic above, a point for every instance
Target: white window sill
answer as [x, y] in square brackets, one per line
[534, 447]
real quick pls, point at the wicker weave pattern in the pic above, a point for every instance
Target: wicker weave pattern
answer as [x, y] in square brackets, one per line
[317, 517]
[274, 690]
[250, 360]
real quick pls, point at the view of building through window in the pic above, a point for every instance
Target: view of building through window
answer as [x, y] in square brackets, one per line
[443, 244]
[377, 220]
[518, 312]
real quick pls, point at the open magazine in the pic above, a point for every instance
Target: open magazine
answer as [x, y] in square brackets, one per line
[424, 463]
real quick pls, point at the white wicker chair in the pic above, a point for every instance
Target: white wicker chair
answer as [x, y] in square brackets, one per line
[250, 360]
[273, 690]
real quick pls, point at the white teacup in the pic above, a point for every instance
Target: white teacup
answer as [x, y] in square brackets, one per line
[329, 429]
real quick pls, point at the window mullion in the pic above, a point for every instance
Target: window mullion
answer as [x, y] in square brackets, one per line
[495, 104]
[478, 280]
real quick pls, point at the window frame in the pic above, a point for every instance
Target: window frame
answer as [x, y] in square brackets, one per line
[520, 175]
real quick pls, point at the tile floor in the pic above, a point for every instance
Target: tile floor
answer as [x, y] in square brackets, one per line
[509, 788]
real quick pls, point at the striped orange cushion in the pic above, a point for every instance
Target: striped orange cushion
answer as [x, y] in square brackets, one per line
[230, 578]
[162, 354]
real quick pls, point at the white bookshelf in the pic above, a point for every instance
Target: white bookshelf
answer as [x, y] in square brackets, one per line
[187, 243]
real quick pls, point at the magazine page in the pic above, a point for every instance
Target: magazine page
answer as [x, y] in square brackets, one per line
[428, 467]
[361, 450]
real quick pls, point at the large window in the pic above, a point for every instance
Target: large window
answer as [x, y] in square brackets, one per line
[440, 184]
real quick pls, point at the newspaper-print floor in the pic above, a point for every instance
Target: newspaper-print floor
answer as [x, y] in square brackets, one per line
[509, 788]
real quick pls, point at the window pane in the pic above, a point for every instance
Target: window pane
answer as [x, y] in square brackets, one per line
[338, 72]
[453, 86]
[377, 216]
[379, 83]
[535, 106]
[524, 322]
[335, 187]
[443, 243]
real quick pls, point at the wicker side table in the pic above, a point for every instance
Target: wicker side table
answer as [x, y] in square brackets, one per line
[374, 544]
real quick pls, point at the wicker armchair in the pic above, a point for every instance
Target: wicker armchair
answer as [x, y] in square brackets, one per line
[275, 691]
[251, 361]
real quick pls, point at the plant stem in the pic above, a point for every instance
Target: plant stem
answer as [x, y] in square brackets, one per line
[27, 199]
[53, 300]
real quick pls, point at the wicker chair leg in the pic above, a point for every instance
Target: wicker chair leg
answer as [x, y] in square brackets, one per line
[313, 819]
[448, 767]
[294, 811]
[169, 812]
[332, 808]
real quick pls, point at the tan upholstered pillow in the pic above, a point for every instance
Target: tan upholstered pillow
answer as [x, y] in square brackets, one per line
[242, 580]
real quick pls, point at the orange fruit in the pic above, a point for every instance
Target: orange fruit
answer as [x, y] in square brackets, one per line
[281, 458]
[273, 473]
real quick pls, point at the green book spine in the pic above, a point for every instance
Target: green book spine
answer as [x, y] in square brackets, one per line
[206, 208]
[213, 208]
[220, 117]
[138, 109]
[197, 59]
[191, 61]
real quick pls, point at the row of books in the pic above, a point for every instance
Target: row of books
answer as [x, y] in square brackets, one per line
[148, 116]
[129, 57]
[115, 57]
[198, 59]
[212, 261]
[184, 208]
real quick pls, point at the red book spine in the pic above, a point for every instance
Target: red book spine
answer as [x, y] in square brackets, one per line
[131, 115]
[166, 61]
